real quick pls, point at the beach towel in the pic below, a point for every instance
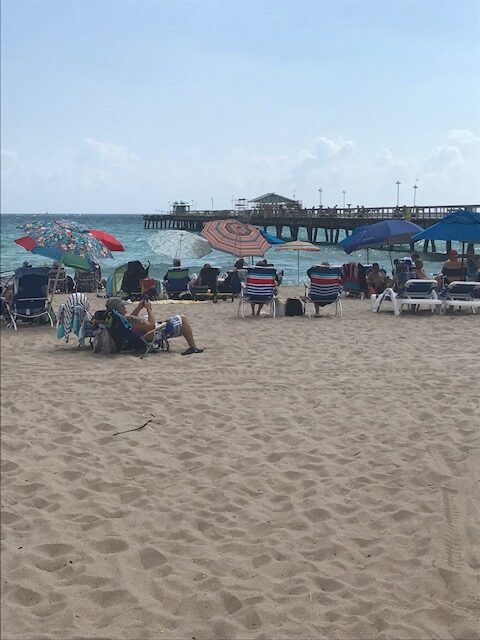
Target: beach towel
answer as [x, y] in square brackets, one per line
[72, 316]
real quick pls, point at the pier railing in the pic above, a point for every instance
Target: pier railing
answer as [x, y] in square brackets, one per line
[330, 221]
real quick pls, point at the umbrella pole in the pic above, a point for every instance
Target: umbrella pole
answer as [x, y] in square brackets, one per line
[298, 267]
[57, 276]
[390, 254]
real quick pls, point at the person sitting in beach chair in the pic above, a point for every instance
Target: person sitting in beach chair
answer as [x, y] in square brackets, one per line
[131, 282]
[260, 288]
[206, 285]
[231, 285]
[376, 279]
[325, 288]
[452, 271]
[176, 282]
[148, 329]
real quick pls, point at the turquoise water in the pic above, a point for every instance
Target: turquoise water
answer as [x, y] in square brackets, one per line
[129, 229]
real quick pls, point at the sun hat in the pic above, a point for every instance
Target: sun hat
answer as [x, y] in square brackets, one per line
[114, 303]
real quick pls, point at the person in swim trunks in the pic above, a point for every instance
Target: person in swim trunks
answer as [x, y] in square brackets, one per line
[174, 327]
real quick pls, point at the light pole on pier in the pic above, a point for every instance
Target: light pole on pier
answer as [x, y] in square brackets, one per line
[398, 183]
[212, 204]
[415, 187]
[344, 192]
[193, 204]
[320, 191]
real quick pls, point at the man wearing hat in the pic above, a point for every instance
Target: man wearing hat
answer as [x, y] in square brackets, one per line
[175, 326]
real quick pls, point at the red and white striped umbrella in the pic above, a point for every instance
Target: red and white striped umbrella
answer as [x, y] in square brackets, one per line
[234, 237]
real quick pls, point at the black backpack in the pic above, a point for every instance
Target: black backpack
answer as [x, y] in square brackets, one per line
[293, 307]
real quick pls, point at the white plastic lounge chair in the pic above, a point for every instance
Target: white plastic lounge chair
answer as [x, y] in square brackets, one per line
[459, 295]
[416, 293]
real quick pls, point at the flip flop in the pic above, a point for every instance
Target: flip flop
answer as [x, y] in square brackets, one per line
[191, 350]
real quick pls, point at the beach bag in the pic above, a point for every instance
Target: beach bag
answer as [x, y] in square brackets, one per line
[293, 307]
[103, 342]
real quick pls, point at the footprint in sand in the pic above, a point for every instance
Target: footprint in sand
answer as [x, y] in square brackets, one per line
[110, 545]
[151, 558]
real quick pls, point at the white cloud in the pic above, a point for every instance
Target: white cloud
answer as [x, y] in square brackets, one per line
[462, 138]
[102, 176]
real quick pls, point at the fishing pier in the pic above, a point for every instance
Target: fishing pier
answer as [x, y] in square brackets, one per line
[322, 224]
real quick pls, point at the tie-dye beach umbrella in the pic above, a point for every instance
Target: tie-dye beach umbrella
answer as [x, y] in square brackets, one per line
[112, 243]
[236, 238]
[66, 245]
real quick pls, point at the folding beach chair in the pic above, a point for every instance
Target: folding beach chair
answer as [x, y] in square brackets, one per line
[415, 293]
[30, 301]
[175, 283]
[259, 288]
[460, 295]
[86, 281]
[325, 288]
[122, 335]
[231, 286]
[57, 279]
[206, 286]
[131, 282]
[354, 279]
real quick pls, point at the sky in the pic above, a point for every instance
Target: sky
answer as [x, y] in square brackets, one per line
[123, 106]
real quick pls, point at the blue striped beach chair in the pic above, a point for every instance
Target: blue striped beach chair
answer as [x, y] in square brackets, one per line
[325, 288]
[259, 288]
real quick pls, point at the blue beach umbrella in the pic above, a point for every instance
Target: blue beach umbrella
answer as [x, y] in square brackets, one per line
[380, 233]
[461, 225]
[271, 239]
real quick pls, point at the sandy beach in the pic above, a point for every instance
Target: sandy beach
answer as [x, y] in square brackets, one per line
[301, 478]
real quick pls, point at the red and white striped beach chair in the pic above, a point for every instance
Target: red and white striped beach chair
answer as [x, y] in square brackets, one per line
[325, 288]
[259, 288]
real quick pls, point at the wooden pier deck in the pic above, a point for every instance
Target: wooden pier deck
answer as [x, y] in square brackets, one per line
[318, 222]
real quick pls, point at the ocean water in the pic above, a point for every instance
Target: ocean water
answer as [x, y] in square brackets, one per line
[129, 230]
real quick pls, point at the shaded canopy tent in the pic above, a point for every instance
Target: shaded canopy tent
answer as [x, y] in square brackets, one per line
[179, 244]
[461, 225]
[236, 238]
[298, 245]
